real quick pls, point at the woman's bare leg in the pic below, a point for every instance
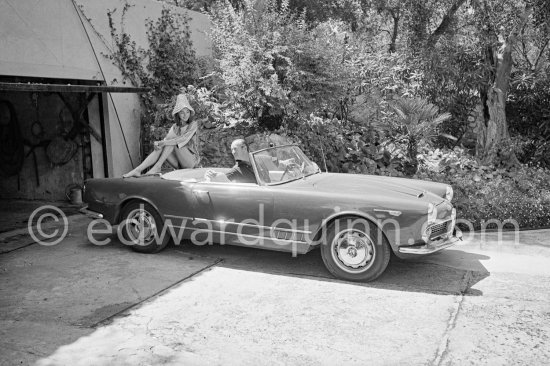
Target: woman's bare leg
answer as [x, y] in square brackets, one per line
[149, 160]
[186, 158]
[173, 160]
[167, 150]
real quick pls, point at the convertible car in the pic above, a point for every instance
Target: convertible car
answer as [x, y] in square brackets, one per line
[357, 221]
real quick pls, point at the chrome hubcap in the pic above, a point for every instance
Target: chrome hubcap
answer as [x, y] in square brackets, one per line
[141, 227]
[353, 250]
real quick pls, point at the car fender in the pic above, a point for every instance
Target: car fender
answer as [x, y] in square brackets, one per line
[350, 213]
[128, 199]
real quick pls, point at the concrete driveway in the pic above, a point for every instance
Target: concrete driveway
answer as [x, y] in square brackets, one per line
[75, 303]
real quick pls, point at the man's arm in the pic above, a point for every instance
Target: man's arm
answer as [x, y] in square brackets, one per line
[213, 176]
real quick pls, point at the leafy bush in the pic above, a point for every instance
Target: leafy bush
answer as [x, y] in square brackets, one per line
[483, 193]
[346, 147]
[166, 65]
[528, 113]
[171, 57]
[273, 67]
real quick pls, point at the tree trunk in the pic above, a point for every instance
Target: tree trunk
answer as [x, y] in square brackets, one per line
[395, 15]
[493, 140]
[445, 23]
[412, 151]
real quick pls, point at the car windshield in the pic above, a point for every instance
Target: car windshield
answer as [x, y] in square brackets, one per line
[282, 164]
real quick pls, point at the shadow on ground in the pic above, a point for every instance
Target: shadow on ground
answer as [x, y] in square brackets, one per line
[52, 296]
[414, 276]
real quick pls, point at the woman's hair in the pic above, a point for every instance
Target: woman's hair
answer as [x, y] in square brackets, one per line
[189, 120]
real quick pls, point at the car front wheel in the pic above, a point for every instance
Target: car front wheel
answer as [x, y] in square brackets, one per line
[142, 228]
[355, 250]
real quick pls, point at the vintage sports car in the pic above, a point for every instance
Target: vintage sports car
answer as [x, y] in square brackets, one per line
[355, 220]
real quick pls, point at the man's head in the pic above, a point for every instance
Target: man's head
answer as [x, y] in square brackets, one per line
[239, 149]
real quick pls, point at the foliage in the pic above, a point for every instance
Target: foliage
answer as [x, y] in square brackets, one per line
[128, 56]
[528, 110]
[345, 146]
[417, 118]
[359, 85]
[275, 68]
[415, 121]
[200, 5]
[171, 57]
[350, 11]
[483, 193]
[167, 65]
[452, 75]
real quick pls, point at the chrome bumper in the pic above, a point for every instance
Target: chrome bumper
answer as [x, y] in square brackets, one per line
[91, 214]
[432, 247]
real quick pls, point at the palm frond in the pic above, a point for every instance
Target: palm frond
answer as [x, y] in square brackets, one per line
[442, 118]
[418, 111]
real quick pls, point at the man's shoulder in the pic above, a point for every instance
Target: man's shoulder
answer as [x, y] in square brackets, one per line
[241, 163]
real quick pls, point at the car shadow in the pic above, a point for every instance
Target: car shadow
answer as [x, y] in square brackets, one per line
[446, 272]
[451, 271]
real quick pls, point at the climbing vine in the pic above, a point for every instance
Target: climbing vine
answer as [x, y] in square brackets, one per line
[165, 67]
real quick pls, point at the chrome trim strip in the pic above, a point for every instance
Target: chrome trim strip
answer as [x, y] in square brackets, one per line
[391, 212]
[430, 248]
[246, 235]
[179, 217]
[291, 231]
[91, 214]
[240, 224]
[179, 227]
[251, 225]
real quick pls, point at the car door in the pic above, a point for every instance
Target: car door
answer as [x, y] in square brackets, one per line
[296, 214]
[238, 213]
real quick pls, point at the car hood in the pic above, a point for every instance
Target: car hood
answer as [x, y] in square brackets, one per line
[372, 185]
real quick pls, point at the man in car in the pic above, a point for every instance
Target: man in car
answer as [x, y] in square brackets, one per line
[242, 172]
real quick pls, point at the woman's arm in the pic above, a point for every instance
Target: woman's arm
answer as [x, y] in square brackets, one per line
[183, 139]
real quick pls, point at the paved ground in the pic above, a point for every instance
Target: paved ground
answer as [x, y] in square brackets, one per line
[483, 302]
[15, 213]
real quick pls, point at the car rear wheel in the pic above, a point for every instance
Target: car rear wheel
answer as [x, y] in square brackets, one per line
[355, 250]
[142, 228]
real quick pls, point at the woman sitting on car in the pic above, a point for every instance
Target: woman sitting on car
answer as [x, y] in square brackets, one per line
[180, 147]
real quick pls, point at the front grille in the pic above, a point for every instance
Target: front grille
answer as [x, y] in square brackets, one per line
[439, 229]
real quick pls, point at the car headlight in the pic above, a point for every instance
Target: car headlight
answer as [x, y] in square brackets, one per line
[432, 212]
[449, 193]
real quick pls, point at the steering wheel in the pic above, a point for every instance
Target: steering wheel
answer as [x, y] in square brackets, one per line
[285, 172]
[293, 165]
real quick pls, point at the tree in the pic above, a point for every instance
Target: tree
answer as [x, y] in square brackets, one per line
[274, 67]
[499, 24]
[489, 31]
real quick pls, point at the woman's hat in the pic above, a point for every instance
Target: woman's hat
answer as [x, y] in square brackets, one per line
[182, 102]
